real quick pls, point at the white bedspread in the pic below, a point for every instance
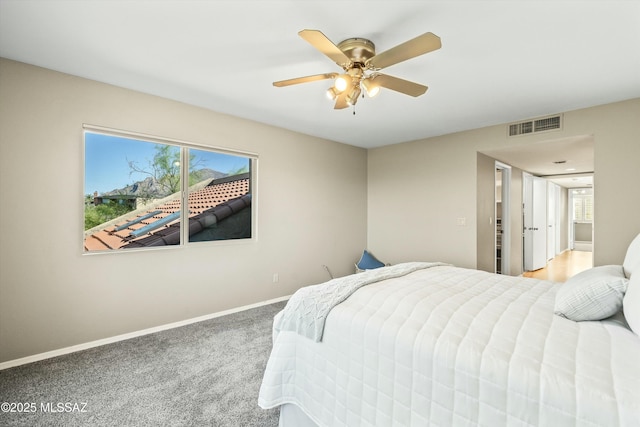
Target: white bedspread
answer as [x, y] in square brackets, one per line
[447, 346]
[307, 309]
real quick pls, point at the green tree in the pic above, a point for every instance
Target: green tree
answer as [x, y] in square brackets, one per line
[96, 215]
[164, 170]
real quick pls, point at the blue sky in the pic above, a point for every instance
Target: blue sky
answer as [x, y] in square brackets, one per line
[107, 157]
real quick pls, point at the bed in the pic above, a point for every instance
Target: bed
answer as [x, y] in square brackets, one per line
[430, 344]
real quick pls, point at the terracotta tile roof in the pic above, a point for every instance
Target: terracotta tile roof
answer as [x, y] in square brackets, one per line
[211, 203]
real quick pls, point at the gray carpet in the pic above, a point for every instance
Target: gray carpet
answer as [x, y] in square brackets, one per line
[204, 374]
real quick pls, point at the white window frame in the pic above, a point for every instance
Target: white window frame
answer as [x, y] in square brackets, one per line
[184, 183]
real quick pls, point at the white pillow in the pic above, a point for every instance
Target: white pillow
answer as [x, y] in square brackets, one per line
[632, 259]
[593, 294]
[631, 303]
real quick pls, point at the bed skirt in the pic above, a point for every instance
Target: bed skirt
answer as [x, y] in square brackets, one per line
[292, 416]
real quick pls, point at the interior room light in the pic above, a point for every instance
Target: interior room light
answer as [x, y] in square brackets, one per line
[342, 82]
[332, 92]
[352, 98]
[374, 91]
[370, 87]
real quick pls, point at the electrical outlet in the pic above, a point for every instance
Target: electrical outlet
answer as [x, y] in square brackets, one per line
[276, 277]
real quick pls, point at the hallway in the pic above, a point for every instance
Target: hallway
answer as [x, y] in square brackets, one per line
[563, 266]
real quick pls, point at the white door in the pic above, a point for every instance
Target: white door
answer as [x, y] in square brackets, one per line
[552, 208]
[535, 222]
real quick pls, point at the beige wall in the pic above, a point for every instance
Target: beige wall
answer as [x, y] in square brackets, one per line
[417, 190]
[318, 202]
[311, 205]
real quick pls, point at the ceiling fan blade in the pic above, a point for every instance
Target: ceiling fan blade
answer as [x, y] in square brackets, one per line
[341, 101]
[410, 49]
[318, 40]
[306, 79]
[399, 85]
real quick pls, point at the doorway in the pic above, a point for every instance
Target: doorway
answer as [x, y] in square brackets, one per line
[581, 226]
[565, 161]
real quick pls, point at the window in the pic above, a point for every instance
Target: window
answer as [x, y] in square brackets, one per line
[140, 191]
[582, 204]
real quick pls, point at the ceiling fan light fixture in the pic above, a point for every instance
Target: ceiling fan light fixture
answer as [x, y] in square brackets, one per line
[342, 82]
[332, 93]
[352, 98]
[370, 87]
[374, 91]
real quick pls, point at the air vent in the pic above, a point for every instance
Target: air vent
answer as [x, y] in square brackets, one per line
[549, 123]
[538, 125]
[520, 128]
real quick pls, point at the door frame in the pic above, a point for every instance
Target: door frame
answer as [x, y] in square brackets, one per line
[505, 218]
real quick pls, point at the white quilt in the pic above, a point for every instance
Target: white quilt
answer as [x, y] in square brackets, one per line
[307, 310]
[447, 346]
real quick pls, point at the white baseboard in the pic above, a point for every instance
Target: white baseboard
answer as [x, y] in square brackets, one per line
[104, 341]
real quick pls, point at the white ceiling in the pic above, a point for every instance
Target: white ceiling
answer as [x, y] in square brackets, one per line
[566, 161]
[499, 62]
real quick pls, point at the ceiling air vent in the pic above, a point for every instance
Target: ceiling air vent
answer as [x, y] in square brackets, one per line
[520, 128]
[538, 125]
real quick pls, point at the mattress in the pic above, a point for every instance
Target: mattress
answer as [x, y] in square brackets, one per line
[447, 346]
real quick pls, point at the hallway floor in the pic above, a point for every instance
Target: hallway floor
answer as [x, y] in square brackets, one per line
[563, 266]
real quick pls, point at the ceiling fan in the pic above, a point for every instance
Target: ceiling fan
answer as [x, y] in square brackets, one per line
[357, 57]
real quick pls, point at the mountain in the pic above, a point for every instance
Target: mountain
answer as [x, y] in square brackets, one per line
[149, 188]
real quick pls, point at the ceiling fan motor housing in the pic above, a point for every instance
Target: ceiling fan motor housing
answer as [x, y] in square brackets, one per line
[359, 50]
